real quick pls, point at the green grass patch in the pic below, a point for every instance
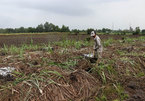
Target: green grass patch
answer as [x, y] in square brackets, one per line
[108, 42]
[65, 65]
[73, 43]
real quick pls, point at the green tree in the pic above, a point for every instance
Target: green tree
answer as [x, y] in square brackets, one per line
[31, 30]
[65, 29]
[131, 30]
[40, 28]
[143, 31]
[89, 30]
[106, 30]
[9, 30]
[57, 29]
[51, 27]
[137, 31]
[22, 30]
[46, 27]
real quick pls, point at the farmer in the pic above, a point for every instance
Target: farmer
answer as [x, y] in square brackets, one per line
[98, 48]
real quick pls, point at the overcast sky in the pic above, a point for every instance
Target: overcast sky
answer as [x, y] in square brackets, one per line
[77, 14]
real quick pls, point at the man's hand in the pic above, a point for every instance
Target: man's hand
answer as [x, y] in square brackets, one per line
[96, 48]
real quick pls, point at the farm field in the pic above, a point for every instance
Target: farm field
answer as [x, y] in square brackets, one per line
[39, 38]
[52, 68]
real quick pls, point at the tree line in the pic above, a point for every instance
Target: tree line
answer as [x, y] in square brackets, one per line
[49, 27]
[46, 27]
[132, 31]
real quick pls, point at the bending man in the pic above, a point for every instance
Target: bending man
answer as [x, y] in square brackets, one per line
[98, 48]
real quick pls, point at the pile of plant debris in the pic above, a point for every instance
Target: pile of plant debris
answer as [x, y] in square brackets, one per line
[53, 84]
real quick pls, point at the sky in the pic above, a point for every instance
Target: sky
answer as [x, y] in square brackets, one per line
[77, 14]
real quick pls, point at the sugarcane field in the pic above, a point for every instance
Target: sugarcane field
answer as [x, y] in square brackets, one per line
[57, 70]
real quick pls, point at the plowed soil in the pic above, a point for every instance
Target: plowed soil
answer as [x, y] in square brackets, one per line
[51, 76]
[17, 40]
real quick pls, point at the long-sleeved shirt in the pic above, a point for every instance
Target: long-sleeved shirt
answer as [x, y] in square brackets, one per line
[98, 46]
